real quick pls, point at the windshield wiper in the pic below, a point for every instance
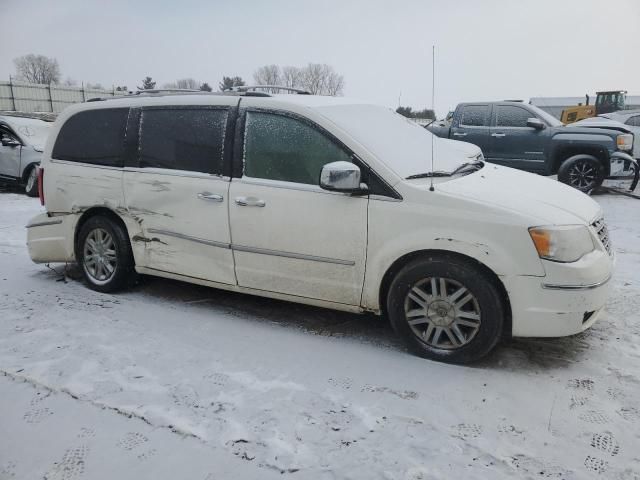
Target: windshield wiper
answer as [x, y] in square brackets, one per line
[437, 173]
[471, 166]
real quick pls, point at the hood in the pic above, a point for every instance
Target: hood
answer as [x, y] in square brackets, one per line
[32, 131]
[599, 122]
[469, 150]
[578, 127]
[549, 201]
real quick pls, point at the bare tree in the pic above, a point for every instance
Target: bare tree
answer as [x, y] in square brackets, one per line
[268, 75]
[37, 69]
[291, 77]
[69, 82]
[188, 83]
[94, 86]
[321, 79]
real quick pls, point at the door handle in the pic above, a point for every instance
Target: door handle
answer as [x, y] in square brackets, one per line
[498, 135]
[210, 196]
[250, 202]
[456, 134]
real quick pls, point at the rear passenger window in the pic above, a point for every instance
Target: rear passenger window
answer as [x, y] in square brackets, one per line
[93, 136]
[510, 116]
[183, 139]
[475, 116]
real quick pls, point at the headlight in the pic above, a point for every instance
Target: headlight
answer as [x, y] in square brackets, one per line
[562, 243]
[625, 141]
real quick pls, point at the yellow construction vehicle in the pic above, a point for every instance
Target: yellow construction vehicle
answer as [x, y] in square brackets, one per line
[606, 102]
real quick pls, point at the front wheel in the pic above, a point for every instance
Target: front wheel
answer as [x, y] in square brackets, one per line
[446, 309]
[31, 187]
[104, 254]
[583, 172]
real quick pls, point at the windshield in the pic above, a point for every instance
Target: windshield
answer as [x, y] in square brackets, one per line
[547, 117]
[402, 145]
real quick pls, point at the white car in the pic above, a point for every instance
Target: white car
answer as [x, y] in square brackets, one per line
[324, 201]
[21, 144]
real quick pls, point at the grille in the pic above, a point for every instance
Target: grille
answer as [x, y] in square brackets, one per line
[603, 234]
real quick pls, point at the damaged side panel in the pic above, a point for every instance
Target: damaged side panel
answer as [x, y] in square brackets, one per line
[177, 230]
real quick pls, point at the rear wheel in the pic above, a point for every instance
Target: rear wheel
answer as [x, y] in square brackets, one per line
[104, 254]
[446, 309]
[31, 187]
[583, 172]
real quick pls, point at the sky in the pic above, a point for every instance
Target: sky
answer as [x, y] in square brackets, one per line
[485, 50]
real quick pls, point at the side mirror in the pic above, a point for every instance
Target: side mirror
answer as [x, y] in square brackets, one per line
[535, 123]
[341, 177]
[10, 142]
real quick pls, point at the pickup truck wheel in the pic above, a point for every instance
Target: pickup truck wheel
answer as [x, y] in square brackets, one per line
[446, 309]
[583, 172]
[31, 187]
[104, 253]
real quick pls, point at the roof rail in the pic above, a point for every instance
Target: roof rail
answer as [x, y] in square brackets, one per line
[247, 88]
[169, 92]
[166, 91]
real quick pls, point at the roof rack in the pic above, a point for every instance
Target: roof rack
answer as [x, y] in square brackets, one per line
[248, 88]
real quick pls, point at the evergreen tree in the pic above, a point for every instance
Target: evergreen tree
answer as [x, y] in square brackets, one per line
[147, 84]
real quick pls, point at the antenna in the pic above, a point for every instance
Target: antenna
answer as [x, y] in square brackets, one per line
[433, 108]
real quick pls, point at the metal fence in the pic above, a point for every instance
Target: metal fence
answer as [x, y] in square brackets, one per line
[34, 97]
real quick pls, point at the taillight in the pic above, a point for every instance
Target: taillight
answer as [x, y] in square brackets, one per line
[41, 185]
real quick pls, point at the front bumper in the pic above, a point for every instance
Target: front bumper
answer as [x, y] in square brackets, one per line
[568, 300]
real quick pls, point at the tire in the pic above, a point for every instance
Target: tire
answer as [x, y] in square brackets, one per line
[479, 320]
[582, 172]
[104, 255]
[31, 185]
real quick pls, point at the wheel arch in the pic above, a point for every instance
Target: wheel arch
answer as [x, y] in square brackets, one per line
[405, 259]
[27, 169]
[599, 153]
[93, 212]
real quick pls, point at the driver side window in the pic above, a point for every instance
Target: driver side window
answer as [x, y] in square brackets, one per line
[279, 147]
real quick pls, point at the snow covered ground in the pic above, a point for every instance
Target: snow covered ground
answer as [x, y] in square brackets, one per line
[177, 381]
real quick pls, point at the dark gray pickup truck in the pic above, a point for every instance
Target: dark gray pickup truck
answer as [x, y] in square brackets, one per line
[523, 136]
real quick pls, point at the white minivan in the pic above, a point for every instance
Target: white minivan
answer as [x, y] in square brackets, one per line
[324, 201]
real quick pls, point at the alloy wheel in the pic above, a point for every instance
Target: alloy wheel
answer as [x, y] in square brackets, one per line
[442, 313]
[31, 179]
[99, 256]
[582, 175]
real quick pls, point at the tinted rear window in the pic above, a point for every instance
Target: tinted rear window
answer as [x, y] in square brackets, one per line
[475, 115]
[183, 139]
[93, 136]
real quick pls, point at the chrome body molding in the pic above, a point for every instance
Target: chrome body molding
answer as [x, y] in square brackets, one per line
[260, 251]
[550, 286]
[188, 237]
[42, 224]
[301, 256]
